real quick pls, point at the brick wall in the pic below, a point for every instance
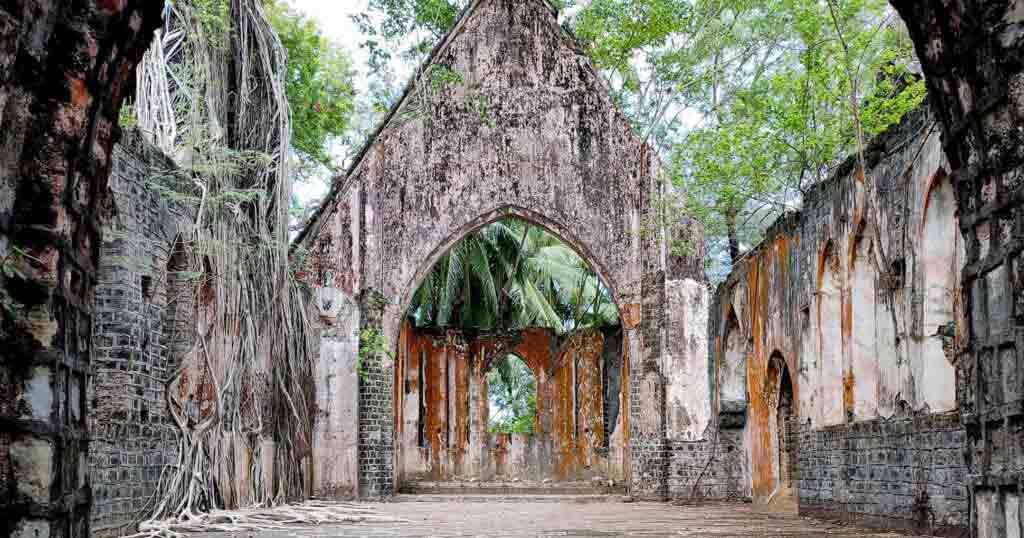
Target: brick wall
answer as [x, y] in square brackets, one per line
[65, 68]
[709, 469]
[971, 55]
[133, 435]
[905, 473]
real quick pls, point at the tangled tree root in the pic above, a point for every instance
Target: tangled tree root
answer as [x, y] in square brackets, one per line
[307, 514]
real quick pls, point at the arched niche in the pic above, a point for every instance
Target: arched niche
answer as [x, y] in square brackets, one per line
[867, 352]
[831, 389]
[733, 369]
[941, 259]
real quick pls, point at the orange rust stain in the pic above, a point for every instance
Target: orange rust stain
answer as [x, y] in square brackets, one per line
[758, 287]
[578, 419]
[459, 420]
[112, 6]
[435, 427]
[630, 316]
[80, 96]
[848, 383]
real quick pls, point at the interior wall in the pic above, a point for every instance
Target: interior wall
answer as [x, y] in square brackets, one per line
[443, 401]
[858, 293]
[141, 307]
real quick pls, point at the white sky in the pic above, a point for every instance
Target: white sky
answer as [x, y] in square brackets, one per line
[334, 17]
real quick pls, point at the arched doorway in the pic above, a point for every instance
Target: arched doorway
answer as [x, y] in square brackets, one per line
[782, 427]
[512, 418]
[509, 304]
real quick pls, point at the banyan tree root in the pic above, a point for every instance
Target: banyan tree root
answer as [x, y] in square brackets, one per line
[307, 514]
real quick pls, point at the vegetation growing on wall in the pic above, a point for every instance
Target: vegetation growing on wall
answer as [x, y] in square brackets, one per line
[250, 362]
[318, 84]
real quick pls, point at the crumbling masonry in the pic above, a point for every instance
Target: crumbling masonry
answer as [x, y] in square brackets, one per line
[864, 362]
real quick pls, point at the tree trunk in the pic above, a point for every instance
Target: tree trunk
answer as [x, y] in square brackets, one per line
[734, 240]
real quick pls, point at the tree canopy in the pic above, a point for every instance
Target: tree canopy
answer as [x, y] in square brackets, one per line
[318, 83]
[512, 275]
[749, 102]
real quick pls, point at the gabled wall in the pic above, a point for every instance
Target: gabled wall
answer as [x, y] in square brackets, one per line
[524, 128]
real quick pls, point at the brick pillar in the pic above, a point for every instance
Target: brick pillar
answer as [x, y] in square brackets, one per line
[376, 402]
[972, 52]
[64, 70]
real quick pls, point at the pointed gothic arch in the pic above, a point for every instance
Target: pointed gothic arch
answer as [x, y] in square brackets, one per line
[551, 148]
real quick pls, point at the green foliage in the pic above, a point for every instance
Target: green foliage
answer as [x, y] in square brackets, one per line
[318, 83]
[509, 275]
[770, 84]
[512, 396]
[388, 22]
[441, 77]
[372, 346]
[212, 17]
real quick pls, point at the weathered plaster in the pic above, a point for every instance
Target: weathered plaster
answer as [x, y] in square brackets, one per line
[337, 392]
[530, 131]
[842, 304]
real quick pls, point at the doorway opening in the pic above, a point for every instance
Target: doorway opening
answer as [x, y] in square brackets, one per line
[783, 430]
[509, 366]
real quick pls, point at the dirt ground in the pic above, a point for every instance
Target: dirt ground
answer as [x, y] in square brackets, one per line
[560, 519]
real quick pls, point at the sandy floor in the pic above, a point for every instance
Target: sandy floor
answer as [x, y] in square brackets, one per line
[516, 519]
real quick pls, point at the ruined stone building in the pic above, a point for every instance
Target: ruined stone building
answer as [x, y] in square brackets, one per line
[835, 342]
[863, 362]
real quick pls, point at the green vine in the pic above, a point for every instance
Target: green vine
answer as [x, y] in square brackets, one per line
[372, 344]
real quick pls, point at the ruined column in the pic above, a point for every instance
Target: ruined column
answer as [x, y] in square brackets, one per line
[972, 53]
[337, 396]
[64, 69]
[376, 372]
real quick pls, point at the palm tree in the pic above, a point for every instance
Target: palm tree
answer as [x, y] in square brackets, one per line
[511, 275]
[512, 396]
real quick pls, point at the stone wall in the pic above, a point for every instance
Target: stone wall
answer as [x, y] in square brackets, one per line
[906, 473]
[849, 306]
[972, 53]
[709, 469]
[64, 69]
[444, 401]
[528, 130]
[134, 338]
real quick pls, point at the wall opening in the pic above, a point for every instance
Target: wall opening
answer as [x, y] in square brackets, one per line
[866, 349]
[509, 365]
[733, 371]
[783, 426]
[511, 396]
[834, 390]
[933, 373]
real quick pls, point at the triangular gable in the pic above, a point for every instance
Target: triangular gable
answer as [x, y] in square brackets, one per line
[341, 183]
